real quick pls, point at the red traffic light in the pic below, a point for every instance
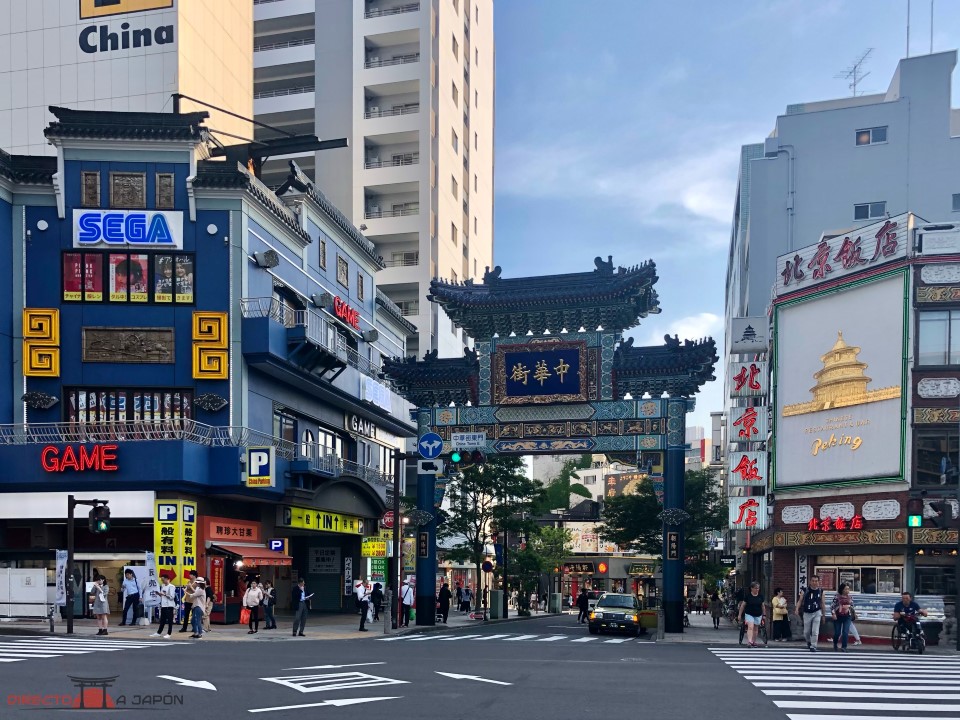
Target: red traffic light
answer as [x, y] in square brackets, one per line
[476, 458]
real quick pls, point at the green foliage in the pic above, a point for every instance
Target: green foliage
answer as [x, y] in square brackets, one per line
[557, 491]
[632, 520]
[553, 545]
[578, 489]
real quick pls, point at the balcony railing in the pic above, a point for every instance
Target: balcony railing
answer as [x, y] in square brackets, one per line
[393, 112]
[408, 308]
[283, 91]
[396, 10]
[396, 212]
[318, 331]
[264, 2]
[403, 262]
[398, 60]
[284, 44]
[323, 462]
[399, 161]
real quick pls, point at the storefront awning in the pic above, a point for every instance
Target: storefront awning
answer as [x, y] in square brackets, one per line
[254, 555]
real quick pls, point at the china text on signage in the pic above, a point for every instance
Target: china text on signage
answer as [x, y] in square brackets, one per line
[373, 547]
[748, 513]
[126, 228]
[107, 38]
[748, 379]
[346, 313]
[748, 468]
[99, 457]
[748, 424]
[842, 255]
[838, 523]
[540, 373]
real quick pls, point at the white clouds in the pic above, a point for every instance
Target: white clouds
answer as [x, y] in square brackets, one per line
[691, 327]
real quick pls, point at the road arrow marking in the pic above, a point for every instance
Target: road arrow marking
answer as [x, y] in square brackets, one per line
[329, 667]
[328, 703]
[202, 684]
[455, 676]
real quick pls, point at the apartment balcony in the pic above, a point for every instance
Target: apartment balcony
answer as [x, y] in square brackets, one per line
[283, 52]
[401, 160]
[391, 159]
[402, 267]
[388, 9]
[318, 460]
[273, 9]
[376, 61]
[298, 97]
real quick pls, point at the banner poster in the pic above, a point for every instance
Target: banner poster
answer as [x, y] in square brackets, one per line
[151, 586]
[61, 577]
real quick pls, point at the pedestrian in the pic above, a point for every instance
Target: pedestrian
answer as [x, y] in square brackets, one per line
[188, 591]
[406, 602]
[208, 608]
[301, 603]
[810, 609]
[543, 598]
[376, 600]
[131, 597]
[716, 610]
[781, 623]
[465, 599]
[705, 604]
[252, 599]
[198, 600]
[583, 605]
[842, 612]
[689, 605]
[752, 610]
[534, 601]
[269, 603]
[99, 596]
[443, 598]
[363, 601]
[854, 633]
[168, 603]
[459, 598]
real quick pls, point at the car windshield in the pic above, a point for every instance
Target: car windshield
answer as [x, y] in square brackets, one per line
[616, 601]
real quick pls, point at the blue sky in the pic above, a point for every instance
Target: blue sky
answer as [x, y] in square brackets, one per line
[619, 125]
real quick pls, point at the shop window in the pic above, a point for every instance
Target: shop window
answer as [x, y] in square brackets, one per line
[165, 200]
[284, 427]
[128, 190]
[936, 335]
[937, 457]
[343, 272]
[861, 578]
[127, 278]
[90, 189]
[92, 405]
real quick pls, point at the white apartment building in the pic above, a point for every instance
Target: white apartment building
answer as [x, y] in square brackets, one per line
[410, 85]
[122, 55]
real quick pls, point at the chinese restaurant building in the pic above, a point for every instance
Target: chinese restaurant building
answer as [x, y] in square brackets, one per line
[197, 349]
[864, 444]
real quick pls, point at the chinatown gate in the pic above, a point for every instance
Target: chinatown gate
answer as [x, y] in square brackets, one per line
[549, 374]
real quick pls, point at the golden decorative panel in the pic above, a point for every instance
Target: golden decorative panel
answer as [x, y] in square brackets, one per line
[41, 342]
[210, 346]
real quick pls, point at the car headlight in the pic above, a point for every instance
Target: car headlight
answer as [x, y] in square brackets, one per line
[598, 615]
[634, 618]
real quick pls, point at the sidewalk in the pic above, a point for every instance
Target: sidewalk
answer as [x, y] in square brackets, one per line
[333, 626]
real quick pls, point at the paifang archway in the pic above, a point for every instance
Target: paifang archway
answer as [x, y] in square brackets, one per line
[539, 382]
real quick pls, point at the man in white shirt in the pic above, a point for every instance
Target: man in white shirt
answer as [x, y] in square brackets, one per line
[363, 600]
[168, 603]
[406, 599]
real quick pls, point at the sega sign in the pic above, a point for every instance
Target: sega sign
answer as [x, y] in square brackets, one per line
[128, 228]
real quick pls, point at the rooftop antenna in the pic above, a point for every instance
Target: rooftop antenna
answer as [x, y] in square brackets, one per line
[854, 74]
[931, 27]
[908, 28]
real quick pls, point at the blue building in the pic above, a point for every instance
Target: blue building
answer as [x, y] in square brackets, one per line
[197, 349]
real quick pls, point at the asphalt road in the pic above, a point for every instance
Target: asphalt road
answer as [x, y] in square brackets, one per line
[543, 668]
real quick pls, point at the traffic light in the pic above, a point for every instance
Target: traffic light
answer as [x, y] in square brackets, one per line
[456, 457]
[99, 519]
[477, 458]
[915, 512]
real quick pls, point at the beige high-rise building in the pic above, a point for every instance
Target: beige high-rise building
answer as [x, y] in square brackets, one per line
[411, 87]
[124, 55]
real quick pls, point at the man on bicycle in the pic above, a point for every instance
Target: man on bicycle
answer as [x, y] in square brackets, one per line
[906, 611]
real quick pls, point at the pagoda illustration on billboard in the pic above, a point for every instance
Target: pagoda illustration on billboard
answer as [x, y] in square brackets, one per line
[841, 383]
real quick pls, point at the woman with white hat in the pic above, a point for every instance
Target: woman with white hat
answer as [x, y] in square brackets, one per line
[198, 599]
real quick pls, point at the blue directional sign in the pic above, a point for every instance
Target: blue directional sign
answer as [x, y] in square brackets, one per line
[430, 445]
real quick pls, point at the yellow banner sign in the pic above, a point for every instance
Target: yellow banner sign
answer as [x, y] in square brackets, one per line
[373, 547]
[321, 520]
[174, 538]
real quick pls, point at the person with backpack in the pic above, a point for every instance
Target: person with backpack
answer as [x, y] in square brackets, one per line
[376, 600]
[843, 614]
[810, 609]
[269, 602]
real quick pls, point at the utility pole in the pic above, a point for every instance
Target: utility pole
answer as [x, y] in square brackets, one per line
[72, 503]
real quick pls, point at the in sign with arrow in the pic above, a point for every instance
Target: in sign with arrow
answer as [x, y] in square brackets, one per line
[477, 678]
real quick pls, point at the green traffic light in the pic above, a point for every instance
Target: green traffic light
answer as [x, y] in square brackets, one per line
[103, 526]
[915, 520]
[455, 457]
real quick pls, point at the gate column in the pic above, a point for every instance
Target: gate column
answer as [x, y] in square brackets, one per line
[673, 497]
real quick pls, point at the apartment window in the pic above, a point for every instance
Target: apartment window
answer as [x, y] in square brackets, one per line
[434, 73]
[871, 136]
[127, 277]
[454, 140]
[343, 271]
[455, 93]
[474, 182]
[91, 405]
[433, 174]
[456, 47]
[164, 191]
[474, 225]
[868, 211]
[476, 98]
[128, 190]
[323, 251]
[453, 233]
[476, 56]
[937, 456]
[938, 337]
[90, 189]
[359, 286]
[956, 202]
[454, 188]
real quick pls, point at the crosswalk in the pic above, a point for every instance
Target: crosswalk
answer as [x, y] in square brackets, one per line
[869, 685]
[510, 637]
[19, 649]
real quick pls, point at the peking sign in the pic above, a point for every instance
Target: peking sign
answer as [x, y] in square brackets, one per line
[845, 254]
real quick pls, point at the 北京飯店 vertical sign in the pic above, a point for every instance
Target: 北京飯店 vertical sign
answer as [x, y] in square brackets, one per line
[748, 378]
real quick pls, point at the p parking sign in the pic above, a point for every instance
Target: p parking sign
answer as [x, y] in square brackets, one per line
[260, 467]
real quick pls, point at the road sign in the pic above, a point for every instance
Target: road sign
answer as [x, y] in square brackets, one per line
[430, 445]
[387, 519]
[487, 566]
[430, 467]
[468, 440]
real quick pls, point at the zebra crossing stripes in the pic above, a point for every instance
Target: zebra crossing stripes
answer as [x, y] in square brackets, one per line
[507, 637]
[20, 649]
[858, 685]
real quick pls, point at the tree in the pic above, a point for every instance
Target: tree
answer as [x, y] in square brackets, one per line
[553, 545]
[557, 491]
[483, 497]
[633, 520]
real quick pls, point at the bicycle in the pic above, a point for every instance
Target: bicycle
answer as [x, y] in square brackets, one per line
[908, 635]
[761, 631]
